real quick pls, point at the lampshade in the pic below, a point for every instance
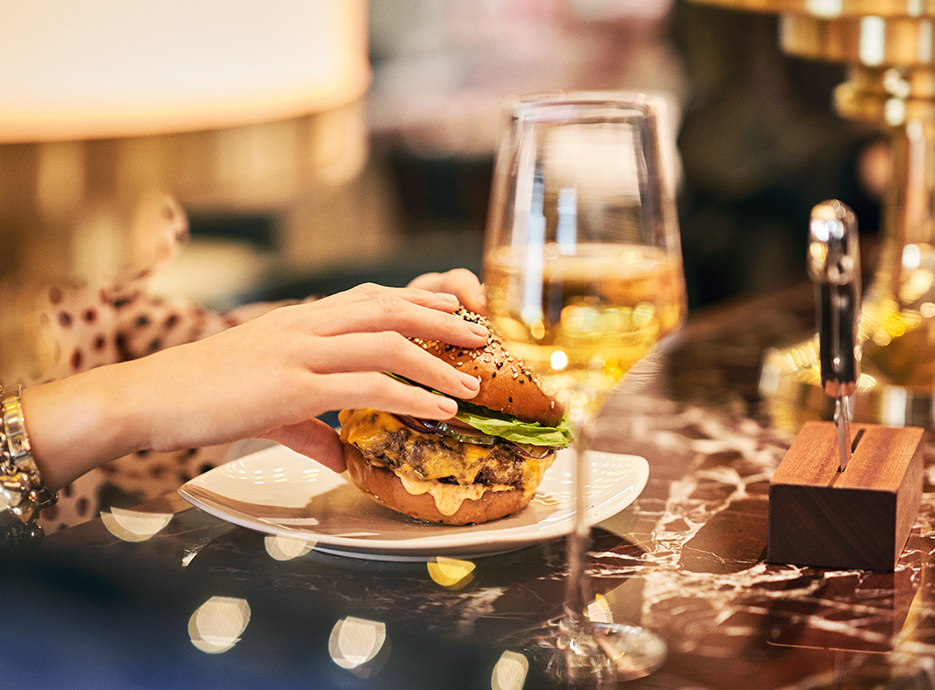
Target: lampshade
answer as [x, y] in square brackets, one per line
[111, 68]
[108, 107]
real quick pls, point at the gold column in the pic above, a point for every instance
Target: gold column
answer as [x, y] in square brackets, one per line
[889, 48]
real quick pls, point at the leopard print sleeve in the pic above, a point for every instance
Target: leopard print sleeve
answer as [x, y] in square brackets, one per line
[82, 327]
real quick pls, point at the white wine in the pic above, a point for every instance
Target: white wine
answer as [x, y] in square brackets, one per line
[582, 319]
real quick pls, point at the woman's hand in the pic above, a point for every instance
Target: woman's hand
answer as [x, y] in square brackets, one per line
[268, 378]
[459, 282]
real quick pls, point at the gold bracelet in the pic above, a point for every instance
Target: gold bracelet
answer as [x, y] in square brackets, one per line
[22, 493]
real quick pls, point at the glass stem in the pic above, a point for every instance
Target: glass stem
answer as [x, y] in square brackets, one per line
[577, 584]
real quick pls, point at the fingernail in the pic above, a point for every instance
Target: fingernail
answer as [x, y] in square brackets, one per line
[482, 298]
[478, 328]
[469, 382]
[448, 406]
[448, 297]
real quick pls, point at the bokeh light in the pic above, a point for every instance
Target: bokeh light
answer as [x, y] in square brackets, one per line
[216, 626]
[356, 641]
[451, 573]
[509, 672]
[285, 548]
[132, 525]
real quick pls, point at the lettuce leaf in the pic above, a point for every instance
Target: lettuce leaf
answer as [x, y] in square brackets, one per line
[511, 428]
[503, 425]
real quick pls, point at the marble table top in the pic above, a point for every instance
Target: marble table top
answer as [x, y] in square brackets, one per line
[687, 559]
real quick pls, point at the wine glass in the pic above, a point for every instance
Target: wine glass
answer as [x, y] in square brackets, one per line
[583, 273]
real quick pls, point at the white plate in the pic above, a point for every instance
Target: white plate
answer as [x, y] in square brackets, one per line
[280, 492]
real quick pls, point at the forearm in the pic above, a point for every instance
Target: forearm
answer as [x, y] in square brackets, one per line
[80, 422]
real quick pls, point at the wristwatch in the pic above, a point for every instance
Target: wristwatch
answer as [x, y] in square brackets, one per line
[22, 492]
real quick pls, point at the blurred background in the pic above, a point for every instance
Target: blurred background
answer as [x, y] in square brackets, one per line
[401, 160]
[759, 141]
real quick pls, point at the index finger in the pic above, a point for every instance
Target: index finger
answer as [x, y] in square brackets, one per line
[460, 282]
[390, 312]
[371, 292]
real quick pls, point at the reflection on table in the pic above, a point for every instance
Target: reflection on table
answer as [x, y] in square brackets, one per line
[167, 595]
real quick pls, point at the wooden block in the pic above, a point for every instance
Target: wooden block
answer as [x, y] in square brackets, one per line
[856, 519]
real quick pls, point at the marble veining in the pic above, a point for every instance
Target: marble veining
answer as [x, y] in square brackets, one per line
[687, 559]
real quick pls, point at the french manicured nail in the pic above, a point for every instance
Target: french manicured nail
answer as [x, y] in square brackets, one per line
[448, 297]
[469, 382]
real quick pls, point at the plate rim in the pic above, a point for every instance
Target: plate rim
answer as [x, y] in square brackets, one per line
[472, 540]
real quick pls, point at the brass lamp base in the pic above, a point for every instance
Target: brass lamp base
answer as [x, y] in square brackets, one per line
[891, 83]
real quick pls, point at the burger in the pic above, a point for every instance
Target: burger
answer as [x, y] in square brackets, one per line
[484, 464]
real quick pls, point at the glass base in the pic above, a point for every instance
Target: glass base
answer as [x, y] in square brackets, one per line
[597, 657]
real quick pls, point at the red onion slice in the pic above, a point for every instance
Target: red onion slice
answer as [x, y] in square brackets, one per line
[464, 435]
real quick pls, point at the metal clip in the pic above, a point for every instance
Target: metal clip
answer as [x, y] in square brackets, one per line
[834, 267]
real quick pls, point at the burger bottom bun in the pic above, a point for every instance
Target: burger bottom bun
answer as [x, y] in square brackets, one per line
[384, 487]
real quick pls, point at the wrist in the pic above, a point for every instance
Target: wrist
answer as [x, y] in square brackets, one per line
[79, 423]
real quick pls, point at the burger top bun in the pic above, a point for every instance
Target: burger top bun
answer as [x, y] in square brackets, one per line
[506, 384]
[386, 488]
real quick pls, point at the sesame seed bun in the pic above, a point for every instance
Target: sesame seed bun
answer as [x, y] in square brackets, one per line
[506, 384]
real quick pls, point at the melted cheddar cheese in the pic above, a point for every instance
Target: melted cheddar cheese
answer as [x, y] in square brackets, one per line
[369, 430]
